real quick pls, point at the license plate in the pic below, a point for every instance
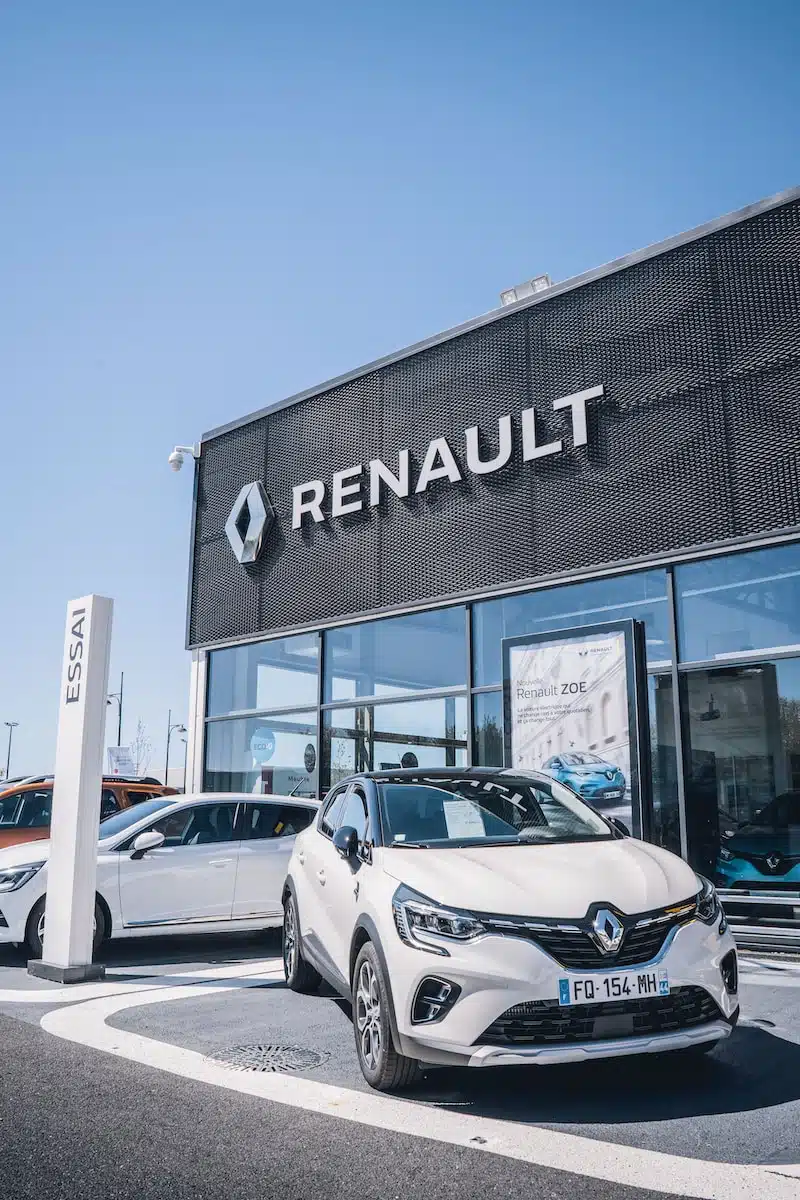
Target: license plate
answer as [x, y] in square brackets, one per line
[622, 985]
[613, 795]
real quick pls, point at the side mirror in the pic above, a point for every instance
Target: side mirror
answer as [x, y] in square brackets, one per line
[346, 841]
[151, 839]
[621, 826]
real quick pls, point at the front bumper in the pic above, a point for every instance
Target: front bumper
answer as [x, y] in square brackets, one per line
[502, 1056]
[739, 875]
[496, 973]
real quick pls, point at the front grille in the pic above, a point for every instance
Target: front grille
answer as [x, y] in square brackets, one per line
[572, 945]
[765, 885]
[784, 865]
[546, 1022]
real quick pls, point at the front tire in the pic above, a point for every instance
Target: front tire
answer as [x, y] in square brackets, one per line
[381, 1065]
[300, 975]
[34, 930]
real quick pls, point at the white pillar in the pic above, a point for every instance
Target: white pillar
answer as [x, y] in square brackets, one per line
[196, 725]
[72, 864]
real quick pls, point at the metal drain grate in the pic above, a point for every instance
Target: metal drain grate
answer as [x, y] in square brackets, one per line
[268, 1058]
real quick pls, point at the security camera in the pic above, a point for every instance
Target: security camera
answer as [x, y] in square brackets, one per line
[175, 459]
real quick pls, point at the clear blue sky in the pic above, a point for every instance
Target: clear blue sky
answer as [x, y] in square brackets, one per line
[205, 207]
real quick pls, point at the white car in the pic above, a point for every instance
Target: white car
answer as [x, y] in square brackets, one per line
[200, 864]
[486, 917]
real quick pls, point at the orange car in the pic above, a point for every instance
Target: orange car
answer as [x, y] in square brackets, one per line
[25, 808]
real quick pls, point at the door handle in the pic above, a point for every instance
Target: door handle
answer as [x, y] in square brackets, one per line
[219, 862]
[321, 876]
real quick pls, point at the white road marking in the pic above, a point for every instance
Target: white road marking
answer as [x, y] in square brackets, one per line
[85, 1023]
[92, 991]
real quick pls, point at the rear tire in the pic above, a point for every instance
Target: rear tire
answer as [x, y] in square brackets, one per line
[34, 930]
[381, 1065]
[300, 975]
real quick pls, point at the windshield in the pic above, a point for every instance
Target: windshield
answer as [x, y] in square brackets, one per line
[501, 809]
[580, 759]
[129, 816]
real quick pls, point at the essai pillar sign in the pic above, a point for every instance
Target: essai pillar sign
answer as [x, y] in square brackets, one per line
[72, 863]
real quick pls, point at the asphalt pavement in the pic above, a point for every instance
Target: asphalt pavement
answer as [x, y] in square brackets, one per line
[80, 1122]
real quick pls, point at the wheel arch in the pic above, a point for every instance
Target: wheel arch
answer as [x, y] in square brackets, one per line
[366, 931]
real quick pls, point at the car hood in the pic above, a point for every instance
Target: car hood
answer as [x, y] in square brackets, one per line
[23, 853]
[546, 881]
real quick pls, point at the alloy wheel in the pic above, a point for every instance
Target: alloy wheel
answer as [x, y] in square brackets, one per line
[368, 1017]
[40, 928]
[289, 940]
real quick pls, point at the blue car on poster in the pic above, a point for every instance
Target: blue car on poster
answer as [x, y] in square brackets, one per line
[763, 854]
[593, 778]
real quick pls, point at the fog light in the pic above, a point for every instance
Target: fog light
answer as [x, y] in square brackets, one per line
[433, 1000]
[730, 972]
[3, 922]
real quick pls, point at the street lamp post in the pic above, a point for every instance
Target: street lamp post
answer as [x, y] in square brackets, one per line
[170, 730]
[12, 725]
[185, 760]
[118, 697]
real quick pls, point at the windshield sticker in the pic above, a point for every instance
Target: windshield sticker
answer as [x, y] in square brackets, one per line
[463, 819]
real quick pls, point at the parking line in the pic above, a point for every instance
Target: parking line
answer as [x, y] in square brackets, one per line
[85, 1023]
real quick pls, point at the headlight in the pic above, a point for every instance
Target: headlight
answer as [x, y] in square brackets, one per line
[426, 925]
[725, 854]
[707, 902]
[17, 877]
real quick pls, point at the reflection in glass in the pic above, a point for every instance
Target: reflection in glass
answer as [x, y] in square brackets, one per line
[263, 755]
[384, 737]
[740, 602]
[642, 596]
[742, 737]
[487, 722]
[665, 822]
[414, 653]
[277, 674]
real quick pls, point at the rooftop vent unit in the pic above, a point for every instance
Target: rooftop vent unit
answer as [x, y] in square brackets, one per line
[524, 291]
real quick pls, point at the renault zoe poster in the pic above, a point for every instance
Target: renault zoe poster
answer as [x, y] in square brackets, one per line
[570, 713]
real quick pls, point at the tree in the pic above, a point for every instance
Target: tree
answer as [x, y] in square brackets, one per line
[141, 749]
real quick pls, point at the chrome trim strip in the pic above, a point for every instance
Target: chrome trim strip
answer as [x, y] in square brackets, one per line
[491, 1056]
[198, 920]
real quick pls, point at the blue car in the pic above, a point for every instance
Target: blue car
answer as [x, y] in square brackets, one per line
[763, 854]
[593, 778]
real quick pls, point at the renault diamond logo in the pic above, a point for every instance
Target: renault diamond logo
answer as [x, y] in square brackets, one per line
[249, 523]
[774, 860]
[607, 931]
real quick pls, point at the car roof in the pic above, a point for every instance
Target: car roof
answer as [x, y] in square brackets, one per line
[246, 797]
[408, 774]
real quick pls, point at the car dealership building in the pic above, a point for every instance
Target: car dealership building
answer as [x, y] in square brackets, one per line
[622, 447]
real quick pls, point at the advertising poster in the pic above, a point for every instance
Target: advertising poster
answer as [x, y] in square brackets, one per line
[571, 712]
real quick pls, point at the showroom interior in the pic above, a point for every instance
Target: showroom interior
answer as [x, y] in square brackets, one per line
[369, 636]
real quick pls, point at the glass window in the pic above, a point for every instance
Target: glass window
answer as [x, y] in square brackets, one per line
[741, 602]
[36, 809]
[130, 816]
[277, 674]
[109, 804]
[333, 808]
[8, 808]
[274, 820]
[265, 755]
[354, 814]
[415, 653]
[203, 825]
[665, 824]
[386, 737]
[742, 745]
[642, 596]
[487, 720]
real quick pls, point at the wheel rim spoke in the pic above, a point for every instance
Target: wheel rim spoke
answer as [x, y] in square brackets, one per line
[368, 1016]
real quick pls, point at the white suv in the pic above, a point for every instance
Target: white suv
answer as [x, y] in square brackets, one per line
[486, 917]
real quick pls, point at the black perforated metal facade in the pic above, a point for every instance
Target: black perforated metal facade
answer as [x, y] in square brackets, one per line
[696, 440]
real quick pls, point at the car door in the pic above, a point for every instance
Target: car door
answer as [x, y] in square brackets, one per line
[191, 878]
[339, 878]
[315, 924]
[268, 829]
